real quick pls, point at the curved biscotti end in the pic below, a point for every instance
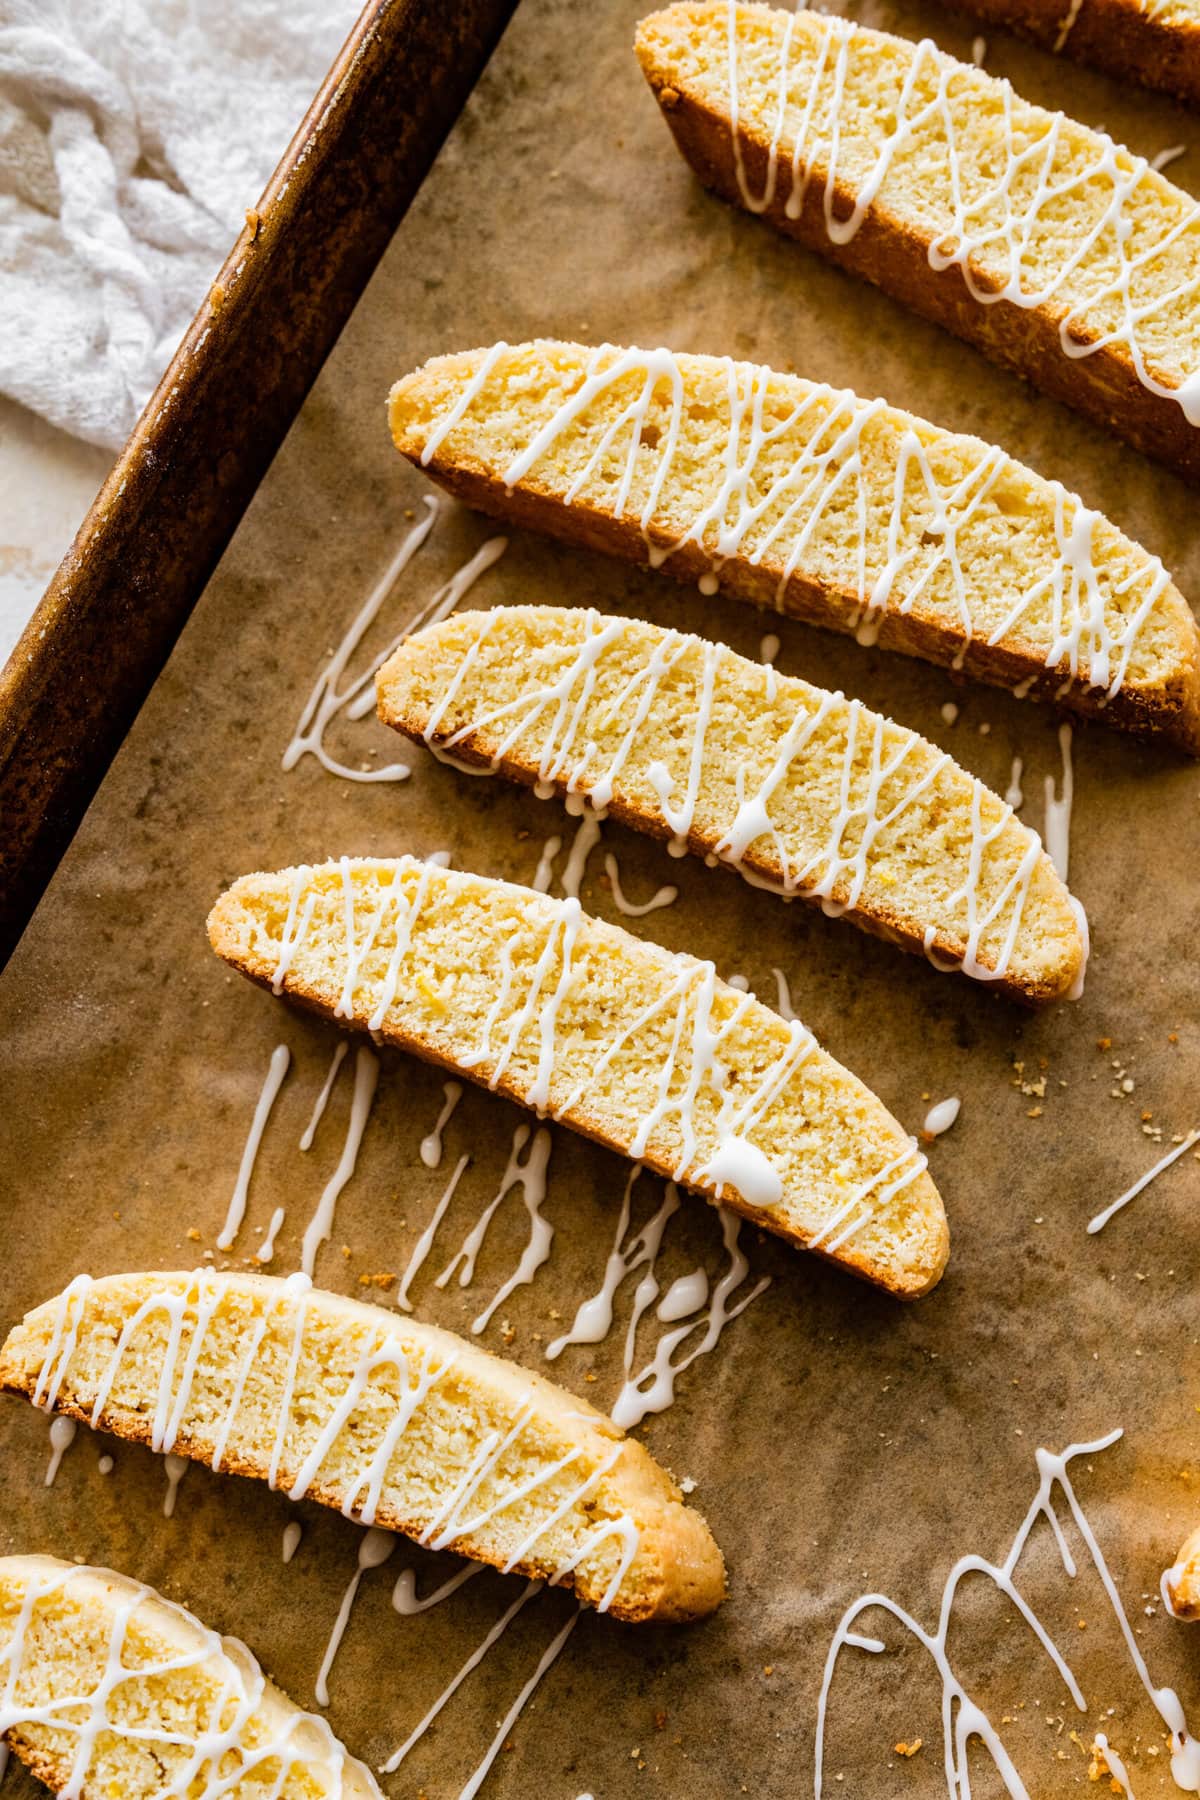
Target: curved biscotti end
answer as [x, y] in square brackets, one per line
[1170, 705]
[65, 1627]
[420, 404]
[240, 924]
[659, 1560]
[1181, 1582]
[672, 41]
[906, 1245]
[422, 396]
[1054, 964]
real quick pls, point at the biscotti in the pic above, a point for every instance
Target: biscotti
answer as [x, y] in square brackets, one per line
[1055, 251]
[1155, 42]
[795, 787]
[840, 511]
[1181, 1582]
[395, 1423]
[111, 1692]
[643, 1050]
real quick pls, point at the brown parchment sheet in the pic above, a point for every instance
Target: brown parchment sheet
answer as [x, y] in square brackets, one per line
[839, 1442]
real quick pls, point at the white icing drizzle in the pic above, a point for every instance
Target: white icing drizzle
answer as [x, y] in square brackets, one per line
[408, 1603]
[544, 873]
[1067, 25]
[1058, 807]
[962, 1717]
[1013, 796]
[1076, 989]
[690, 1298]
[992, 256]
[62, 1436]
[374, 1548]
[740, 982]
[1115, 1765]
[1166, 157]
[277, 1068]
[686, 1295]
[941, 1116]
[783, 1002]
[322, 1100]
[587, 836]
[266, 1250]
[357, 697]
[221, 1757]
[896, 562]
[431, 1144]
[105, 1465]
[979, 51]
[530, 1177]
[327, 697]
[663, 896]
[690, 996]
[362, 697]
[652, 1389]
[424, 1243]
[1177, 1150]
[190, 1308]
[594, 1317]
[473, 1661]
[548, 1657]
[176, 1468]
[293, 1531]
[366, 1079]
[837, 871]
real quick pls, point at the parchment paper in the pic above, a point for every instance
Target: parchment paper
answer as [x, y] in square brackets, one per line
[839, 1442]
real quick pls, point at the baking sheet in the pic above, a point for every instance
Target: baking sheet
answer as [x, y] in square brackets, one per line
[839, 1442]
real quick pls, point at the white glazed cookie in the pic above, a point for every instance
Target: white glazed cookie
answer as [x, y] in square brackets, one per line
[799, 789]
[644, 1050]
[192, 1712]
[396, 1423]
[1053, 249]
[841, 511]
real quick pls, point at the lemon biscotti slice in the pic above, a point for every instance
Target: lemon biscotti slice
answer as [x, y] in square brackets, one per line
[1055, 251]
[644, 1050]
[110, 1690]
[794, 786]
[396, 1423]
[1156, 42]
[840, 511]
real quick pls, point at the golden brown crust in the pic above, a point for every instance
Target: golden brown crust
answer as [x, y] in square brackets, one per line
[891, 254]
[877, 920]
[1125, 38]
[224, 941]
[1170, 712]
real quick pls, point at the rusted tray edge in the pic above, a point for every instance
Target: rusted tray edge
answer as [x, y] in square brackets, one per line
[106, 624]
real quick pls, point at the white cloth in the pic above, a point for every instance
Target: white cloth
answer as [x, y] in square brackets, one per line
[134, 134]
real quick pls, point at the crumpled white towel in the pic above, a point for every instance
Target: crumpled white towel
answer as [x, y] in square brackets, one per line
[133, 136]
